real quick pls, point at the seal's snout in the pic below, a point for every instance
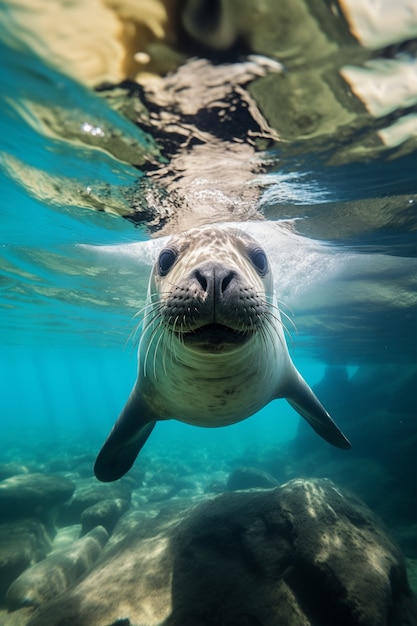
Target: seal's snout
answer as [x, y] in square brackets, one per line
[214, 279]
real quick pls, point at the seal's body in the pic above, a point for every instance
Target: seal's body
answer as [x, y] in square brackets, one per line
[212, 350]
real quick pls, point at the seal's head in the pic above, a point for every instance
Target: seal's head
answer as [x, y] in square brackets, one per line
[213, 288]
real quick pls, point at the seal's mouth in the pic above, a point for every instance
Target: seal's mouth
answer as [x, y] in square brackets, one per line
[215, 337]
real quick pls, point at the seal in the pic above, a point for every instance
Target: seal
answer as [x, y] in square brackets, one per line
[212, 350]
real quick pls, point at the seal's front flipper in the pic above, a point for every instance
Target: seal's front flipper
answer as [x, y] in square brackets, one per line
[303, 400]
[125, 441]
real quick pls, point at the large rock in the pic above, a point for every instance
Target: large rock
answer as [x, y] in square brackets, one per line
[55, 574]
[302, 554]
[28, 495]
[305, 553]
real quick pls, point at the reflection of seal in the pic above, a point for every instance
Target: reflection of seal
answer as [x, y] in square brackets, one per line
[212, 350]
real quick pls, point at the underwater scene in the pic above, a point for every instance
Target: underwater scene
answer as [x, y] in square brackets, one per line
[208, 228]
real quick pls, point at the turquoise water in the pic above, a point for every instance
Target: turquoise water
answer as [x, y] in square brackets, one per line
[64, 391]
[67, 305]
[66, 367]
[92, 181]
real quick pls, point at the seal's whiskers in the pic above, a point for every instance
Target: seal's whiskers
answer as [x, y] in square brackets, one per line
[150, 309]
[277, 317]
[163, 331]
[153, 333]
[174, 334]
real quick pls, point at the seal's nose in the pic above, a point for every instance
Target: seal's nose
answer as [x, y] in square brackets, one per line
[214, 279]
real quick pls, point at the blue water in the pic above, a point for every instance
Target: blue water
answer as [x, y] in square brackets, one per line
[66, 309]
[65, 371]
[335, 210]
[65, 391]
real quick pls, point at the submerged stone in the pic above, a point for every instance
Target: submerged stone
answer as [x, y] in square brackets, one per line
[28, 495]
[250, 478]
[90, 492]
[105, 513]
[12, 469]
[303, 553]
[66, 536]
[22, 543]
[55, 574]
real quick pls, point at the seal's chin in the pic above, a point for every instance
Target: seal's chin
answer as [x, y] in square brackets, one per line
[215, 338]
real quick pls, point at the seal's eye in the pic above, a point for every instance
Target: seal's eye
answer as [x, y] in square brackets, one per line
[166, 260]
[259, 260]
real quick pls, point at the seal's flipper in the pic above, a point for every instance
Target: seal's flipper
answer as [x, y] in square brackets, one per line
[304, 401]
[124, 443]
